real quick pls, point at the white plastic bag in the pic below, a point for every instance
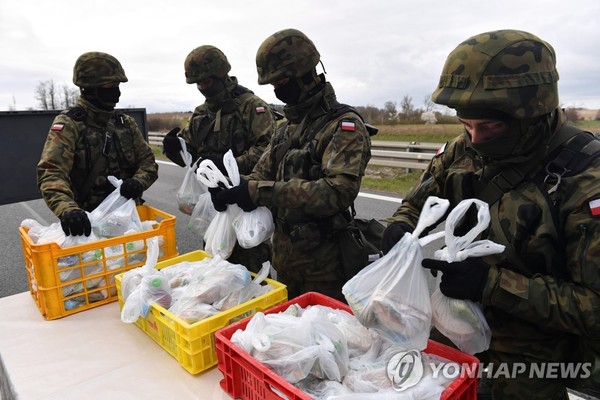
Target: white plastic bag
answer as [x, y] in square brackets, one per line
[202, 215]
[254, 227]
[144, 285]
[391, 295]
[116, 214]
[462, 321]
[220, 236]
[190, 190]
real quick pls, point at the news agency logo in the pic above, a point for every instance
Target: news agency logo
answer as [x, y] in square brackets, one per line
[405, 369]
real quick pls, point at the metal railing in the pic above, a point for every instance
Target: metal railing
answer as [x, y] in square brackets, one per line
[408, 155]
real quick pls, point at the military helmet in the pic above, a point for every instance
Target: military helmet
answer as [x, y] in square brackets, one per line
[204, 62]
[94, 69]
[287, 53]
[510, 71]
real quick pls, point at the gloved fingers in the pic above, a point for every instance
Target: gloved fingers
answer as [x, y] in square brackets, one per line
[87, 227]
[76, 223]
[436, 265]
[173, 132]
[131, 189]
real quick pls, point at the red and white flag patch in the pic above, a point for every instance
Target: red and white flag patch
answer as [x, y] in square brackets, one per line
[348, 126]
[441, 150]
[260, 110]
[595, 207]
[57, 127]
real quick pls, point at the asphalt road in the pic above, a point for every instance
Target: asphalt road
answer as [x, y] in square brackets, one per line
[13, 278]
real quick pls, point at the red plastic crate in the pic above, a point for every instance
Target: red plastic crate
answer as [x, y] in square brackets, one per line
[247, 379]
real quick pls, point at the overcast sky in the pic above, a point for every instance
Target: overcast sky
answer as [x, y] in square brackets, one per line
[373, 51]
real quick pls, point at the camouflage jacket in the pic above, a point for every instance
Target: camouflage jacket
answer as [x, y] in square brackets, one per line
[319, 176]
[244, 124]
[543, 292]
[75, 143]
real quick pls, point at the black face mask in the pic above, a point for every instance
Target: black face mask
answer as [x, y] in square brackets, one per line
[109, 95]
[213, 90]
[289, 93]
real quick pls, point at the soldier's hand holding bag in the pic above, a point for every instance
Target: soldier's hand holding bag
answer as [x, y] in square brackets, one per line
[116, 214]
[462, 321]
[391, 295]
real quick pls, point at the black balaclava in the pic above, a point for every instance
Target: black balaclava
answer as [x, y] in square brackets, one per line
[290, 92]
[519, 140]
[213, 90]
[103, 98]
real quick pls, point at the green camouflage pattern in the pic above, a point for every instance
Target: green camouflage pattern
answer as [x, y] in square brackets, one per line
[94, 69]
[510, 71]
[244, 124]
[204, 62]
[314, 182]
[542, 297]
[287, 53]
[69, 154]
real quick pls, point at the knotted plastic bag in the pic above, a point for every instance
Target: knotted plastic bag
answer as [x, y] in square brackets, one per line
[143, 286]
[191, 189]
[116, 214]
[462, 321]
[391, 295]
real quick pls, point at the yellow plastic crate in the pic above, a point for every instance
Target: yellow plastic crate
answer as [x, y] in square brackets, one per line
[66, 281]
[193, 345]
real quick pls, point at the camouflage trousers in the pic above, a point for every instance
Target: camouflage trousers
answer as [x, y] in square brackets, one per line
[524, 385]
[308, 266]
[252, 258]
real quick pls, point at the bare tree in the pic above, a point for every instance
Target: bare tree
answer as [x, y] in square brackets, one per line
[428, 103]
[407, 107]
[51, 97]
[370, 113]
[41, 95]
[390, 112]
[70, 95]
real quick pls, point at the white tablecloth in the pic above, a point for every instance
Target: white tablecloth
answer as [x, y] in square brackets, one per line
[91, 355]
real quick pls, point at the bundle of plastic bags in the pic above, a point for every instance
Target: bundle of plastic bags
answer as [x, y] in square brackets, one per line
[391, 295]
[328, 354]
[462, 321]
[191, 290]
[249, 229]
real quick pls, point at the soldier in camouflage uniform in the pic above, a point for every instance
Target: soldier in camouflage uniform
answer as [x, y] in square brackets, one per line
[232, 118]
[310, 173]
[90, 142]
[541, 296]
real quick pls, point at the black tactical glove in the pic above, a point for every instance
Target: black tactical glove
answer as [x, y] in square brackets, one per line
[237, 195]
[219, 205]
[75, 223]
[463, 280]
[218, 161]
[171, 144]
[131, 189]
[392, 235]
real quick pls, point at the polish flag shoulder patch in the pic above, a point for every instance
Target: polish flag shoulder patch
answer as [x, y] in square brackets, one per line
[441, 150]
[348, 126]
[595, 207]
[57, 127]
[260, 110]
